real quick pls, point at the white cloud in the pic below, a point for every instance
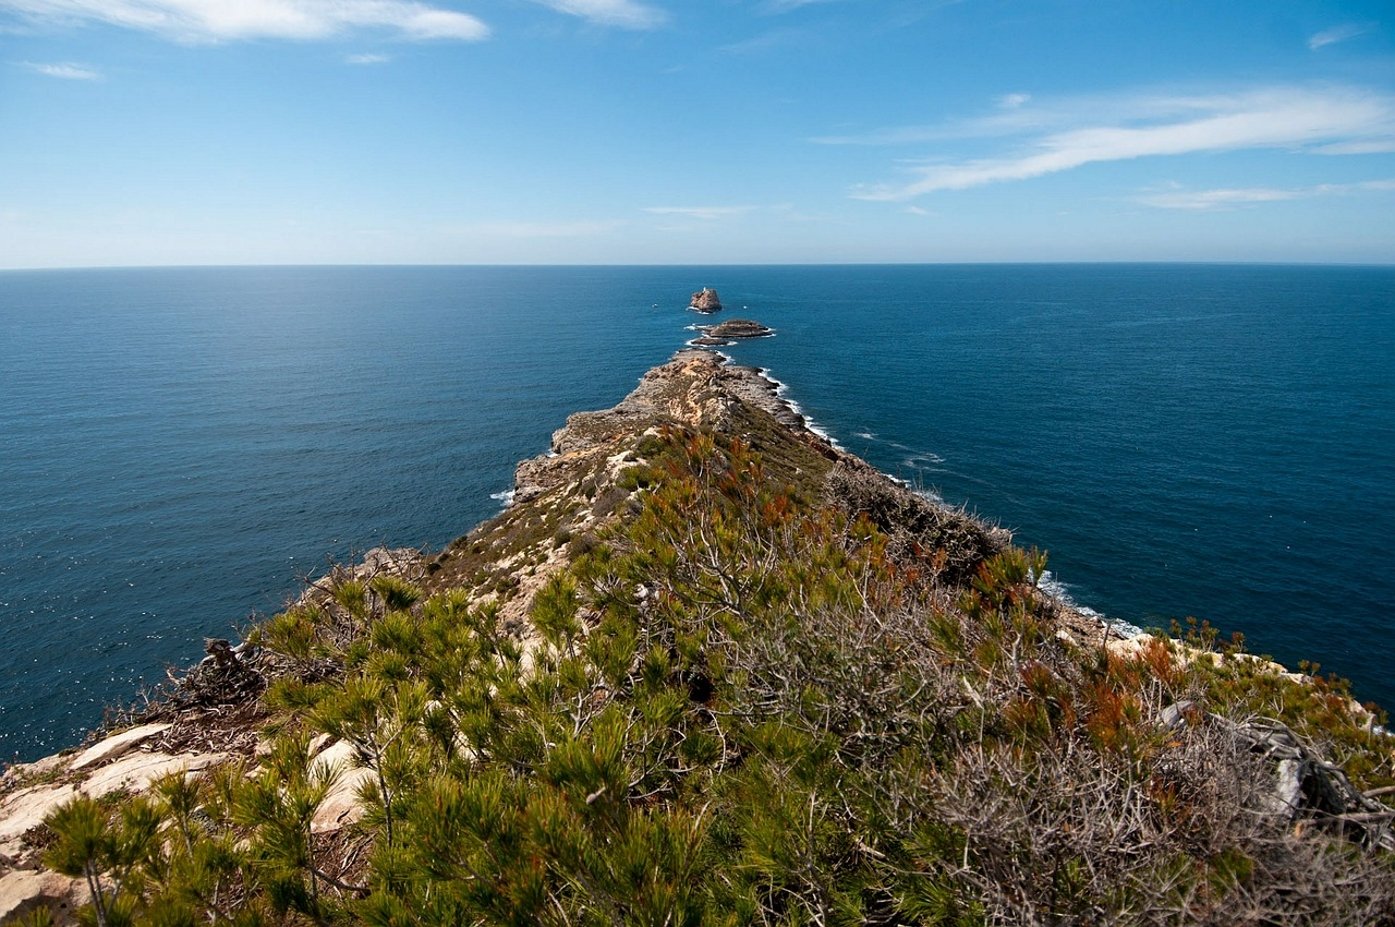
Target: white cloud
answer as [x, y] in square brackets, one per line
[228, 20]
[369, 58]
[1013, 100]
[1336, 34]
[1278, 117]
[1244, 196]
[705, 213]
[1362, 146]
[65, 70]
[627, 14]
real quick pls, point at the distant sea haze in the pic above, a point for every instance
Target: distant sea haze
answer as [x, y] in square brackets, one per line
[179, 447]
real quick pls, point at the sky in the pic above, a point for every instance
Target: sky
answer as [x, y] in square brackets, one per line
[174, 132]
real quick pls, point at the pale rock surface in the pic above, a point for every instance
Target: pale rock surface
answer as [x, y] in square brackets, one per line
[136, 773]
[26, 890]
[117, 745]
[25, 809]
[341, 807]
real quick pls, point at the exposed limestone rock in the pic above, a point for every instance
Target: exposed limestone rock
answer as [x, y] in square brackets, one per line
[342, 806]
[24, 891]
[135, 773]
[706, 300]
[23, 810]
[21, 773]
[117, 745]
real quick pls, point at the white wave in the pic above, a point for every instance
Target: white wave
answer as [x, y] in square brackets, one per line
[506, 496]
[865, 435]
[1053, 587]
[923, 461]
[782, 393]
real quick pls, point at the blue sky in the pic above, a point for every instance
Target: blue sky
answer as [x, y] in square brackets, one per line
[147, 132]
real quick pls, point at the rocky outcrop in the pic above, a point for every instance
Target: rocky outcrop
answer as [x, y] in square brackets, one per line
[25, 891]
[706, 300]
[730, 331]
[119, 764]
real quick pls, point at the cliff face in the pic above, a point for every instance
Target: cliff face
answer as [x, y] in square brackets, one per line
[704, 653]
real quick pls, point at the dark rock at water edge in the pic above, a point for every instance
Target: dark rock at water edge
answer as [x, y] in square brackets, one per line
[730, 331]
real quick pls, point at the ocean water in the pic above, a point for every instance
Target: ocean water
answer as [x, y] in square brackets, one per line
[179, 447]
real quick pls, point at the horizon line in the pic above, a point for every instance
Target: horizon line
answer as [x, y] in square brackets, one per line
[656, 264]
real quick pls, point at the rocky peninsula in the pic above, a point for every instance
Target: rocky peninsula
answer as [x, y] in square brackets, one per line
[707, 662]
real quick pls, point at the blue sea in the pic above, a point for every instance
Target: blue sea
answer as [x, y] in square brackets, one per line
[180, 447]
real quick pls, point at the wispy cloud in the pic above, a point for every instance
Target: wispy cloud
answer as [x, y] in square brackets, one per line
[1248, 196]
[784, 6]
[581, 228]
[229, 20]
[1337, 34]
[64, 70]
[705, 213]
[366, 59]
[1277, 117]
[1013, 100]
[627, 14]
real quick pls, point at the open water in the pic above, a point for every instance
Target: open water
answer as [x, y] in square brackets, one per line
[178, 447]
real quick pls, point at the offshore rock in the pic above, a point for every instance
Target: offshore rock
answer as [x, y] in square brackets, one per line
[706, 300]
[729, 331]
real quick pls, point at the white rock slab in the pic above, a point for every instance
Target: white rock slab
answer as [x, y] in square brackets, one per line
[117, 745]
[136, 772]
[342, 806]
[26, 808]
[25, 890]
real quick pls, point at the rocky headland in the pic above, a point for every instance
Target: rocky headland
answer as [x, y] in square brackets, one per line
[706, 661]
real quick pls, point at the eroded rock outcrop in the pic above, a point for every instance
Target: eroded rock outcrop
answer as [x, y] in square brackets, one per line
[706, 300]
[730, 331]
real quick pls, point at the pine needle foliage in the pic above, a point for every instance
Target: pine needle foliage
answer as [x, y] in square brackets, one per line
[743, 709]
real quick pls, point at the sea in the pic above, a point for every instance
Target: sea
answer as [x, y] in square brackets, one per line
[181, 448]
